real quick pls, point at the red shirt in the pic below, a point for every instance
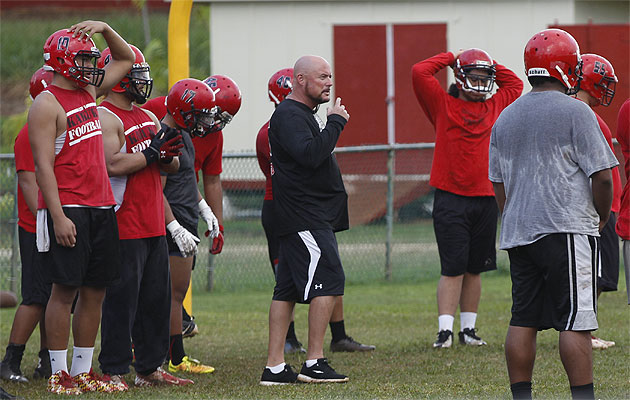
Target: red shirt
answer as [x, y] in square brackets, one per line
[263, 153]
[24, 162]
[208, 150]
[462, 128]
[623, 137]
[80, 164]
[616, 204]
[141, 213]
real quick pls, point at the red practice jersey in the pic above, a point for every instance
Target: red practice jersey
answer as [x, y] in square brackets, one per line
[24, 162]
[139, 195]
[462, 128]
[623, 137]
[80, 162]
[263, 153]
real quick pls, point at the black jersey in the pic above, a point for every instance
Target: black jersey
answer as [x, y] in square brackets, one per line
[307, 186]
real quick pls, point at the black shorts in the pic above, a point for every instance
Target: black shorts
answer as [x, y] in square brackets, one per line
[95, 259]
[553, 283]
[35, 285]
[173, 250]
[309, 266]
[608, 274]
[270, 231]
[465, 231]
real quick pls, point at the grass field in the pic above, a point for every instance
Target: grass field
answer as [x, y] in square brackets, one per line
[399, 318]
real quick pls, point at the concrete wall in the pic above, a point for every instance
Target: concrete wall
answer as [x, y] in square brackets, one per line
[250, 40]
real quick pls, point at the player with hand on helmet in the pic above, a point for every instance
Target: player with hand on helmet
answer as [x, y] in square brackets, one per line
[598, 87]
[464, 210]
[278, 88]
[191, 107]
[35, 288]
[76, 227]
[137, 148]
[551, 171]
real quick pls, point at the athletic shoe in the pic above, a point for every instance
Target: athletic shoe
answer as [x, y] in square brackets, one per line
[599, 343]
[4, 395]
[444, 339]
[292, 346]
[349, 344]
[468, 336]
[321, 372]
[286, 377]
[160, 377]
[61, 383]
[11, 372]
[190, 365]
[117, 381]
[43, 365]
[93, 382]
[189, 328]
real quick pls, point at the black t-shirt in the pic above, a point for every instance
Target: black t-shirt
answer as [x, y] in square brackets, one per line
[181, 187]
[307, 187]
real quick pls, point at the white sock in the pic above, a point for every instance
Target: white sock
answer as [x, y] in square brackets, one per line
[445, 322]
[277, 369]
[310, 363]
[81, 360]
[467, 319]
[58, 360]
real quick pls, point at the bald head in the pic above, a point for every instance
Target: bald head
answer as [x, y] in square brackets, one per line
[312, 80]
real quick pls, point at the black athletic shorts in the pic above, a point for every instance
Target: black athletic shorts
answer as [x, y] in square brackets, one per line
[608, 274]
[173, 250]
[309, 266]
[270, 231]
[465, 231]
[35, 285]
[95, 259]
[553, 283]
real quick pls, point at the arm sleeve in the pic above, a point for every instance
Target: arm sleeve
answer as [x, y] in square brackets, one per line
[510, 86]
[297, 139]
[428, 91]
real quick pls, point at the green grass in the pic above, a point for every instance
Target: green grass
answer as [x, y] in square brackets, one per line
[399, 318]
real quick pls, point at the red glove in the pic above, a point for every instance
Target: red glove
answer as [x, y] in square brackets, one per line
[217, 242]
[170, 149]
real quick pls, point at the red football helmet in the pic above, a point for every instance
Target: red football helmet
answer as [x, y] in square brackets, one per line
[137, 83]
[73, 58]
[474, 59]
[192, 105]
[40, 81]
[280, 85]
[598, 79]
[228, 99]
[554, 53]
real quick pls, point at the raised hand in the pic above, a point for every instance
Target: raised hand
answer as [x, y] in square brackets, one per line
[339, 109]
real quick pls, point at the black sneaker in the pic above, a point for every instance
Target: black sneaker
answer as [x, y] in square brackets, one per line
[469, 337]
[43, 365]
[292, 346]
[349, 344]
[321, 372]
[11, 373]
[286, 377]
[444, 339]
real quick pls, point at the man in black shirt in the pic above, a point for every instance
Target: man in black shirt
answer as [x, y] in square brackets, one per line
[311, 204]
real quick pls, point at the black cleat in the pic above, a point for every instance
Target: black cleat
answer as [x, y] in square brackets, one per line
[9, 373]
[292, 346]
[349, 344]
[321, 372]
[43, 365]
[444, 339]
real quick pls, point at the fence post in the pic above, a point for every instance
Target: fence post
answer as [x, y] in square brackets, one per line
[389, 218]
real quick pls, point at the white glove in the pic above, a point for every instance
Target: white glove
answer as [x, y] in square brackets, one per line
[185, 241]
[206, 213]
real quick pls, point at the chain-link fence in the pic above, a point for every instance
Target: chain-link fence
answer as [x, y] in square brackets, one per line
[396, 246]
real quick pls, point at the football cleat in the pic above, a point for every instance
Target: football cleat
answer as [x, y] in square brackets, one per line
[190, 365]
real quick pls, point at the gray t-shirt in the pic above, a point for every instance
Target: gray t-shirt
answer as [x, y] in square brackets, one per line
[543, 148]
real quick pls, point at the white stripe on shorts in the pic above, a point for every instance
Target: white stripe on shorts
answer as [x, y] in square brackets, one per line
[583, 315]
[315, 253]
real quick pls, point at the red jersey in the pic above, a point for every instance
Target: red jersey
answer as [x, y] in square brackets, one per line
[208, 149]
[616, 204]
[24, 162]
[139, 195]
[462, 128]
[623, 137]
[80, 162]
[263, 153]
